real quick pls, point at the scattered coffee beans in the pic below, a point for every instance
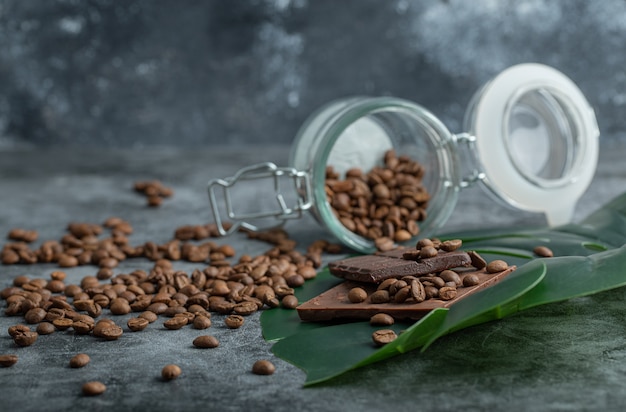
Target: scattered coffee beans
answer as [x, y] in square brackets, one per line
[8, 360]
[170, 372]
[94, 388]
[263, 367]
[383, 336]
[154, 191]
[80, 360]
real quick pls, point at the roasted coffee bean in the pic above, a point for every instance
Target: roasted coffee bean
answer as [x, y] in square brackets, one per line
[451, 276]
[93, 388]
[63, 323]
[201, 322]
[384, 244]
[120, 306]
[357, 295]
[431, 292]
[137, 324]
[149, 316]
[263, 367]
[8, 360]
[417, 291]
[26, 338]
[496, 266]
[427, 252]
[402, 294]
[170, 372]
[176, 322]
[234, 321]
[80, 360]
[543, 251]
[35, 315]
[290, 302]
[206, 341]
[246, 308]
[45, 328]
[381, 319]
[447, 293]
[451, 245]
[383, 336]
[470, 280]
[380, 296]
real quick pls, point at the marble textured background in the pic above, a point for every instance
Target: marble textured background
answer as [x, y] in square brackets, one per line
[157, 73]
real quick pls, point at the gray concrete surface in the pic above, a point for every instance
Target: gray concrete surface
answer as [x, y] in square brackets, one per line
[567, 356]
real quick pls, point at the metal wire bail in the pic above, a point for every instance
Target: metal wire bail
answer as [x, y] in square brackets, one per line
[283, 212]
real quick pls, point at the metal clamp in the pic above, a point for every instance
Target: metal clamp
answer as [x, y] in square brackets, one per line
[475, 175]
[301, 185]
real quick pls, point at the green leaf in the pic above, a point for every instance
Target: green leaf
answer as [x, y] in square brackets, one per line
[591, 258]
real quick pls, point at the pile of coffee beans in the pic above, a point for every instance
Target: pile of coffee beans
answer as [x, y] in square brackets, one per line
[386, 202]
[436, 285]
[154, 191]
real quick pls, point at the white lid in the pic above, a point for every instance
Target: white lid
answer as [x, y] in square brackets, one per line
[537, 140]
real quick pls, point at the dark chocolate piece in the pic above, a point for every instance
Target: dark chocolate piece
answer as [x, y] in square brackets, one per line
[376, 268]
[334, 305]
[372, 268]
[477, 261]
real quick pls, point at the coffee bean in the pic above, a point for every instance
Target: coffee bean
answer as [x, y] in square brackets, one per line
[120, 306]
[170, 372]
[45, 328]
[451, 276]
[149, 316]
[206, 341]
[93, 388]
[380, 296]
[263, 367]
[201, 322]
[381, 319]
[35, 315]
[451, 245]
[384, 244]
[8, 360]
[496, 266]
[383, 336]
[428, 252]
[176, 322]
[80, 360]
[470, 280]
[137, 324]
[447, 293]
[63, 323]
[543, 251]
[234, 321]
[290, 302]
[357, 295]
[25, 338]
[246, 308]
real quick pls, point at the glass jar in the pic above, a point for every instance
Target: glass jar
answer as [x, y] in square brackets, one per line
[530, 138]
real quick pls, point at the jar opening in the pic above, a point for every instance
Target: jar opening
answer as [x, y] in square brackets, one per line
[542, 137]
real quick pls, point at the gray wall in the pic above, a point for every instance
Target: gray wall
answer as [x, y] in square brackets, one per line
[139, 73]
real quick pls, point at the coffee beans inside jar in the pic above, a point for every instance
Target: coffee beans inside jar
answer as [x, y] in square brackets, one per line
[383, 204]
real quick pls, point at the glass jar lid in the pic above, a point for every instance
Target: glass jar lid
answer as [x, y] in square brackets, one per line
[536, 137]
